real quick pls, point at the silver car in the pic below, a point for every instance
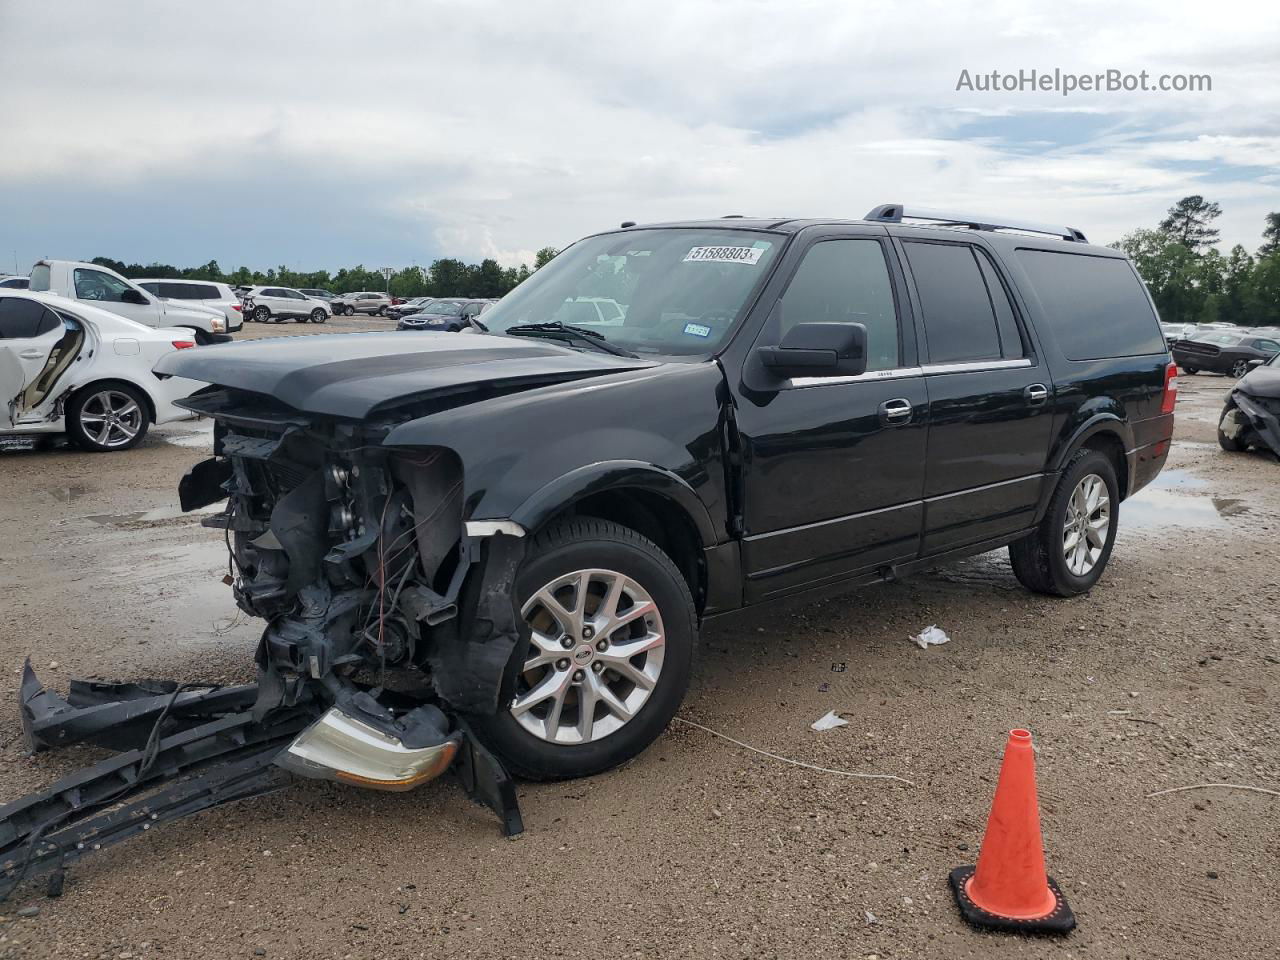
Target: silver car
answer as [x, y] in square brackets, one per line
[349, 304]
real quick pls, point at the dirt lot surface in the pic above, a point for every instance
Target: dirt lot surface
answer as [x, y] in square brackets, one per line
[1167, 675]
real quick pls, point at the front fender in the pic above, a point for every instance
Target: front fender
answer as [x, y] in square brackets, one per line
[553, 497]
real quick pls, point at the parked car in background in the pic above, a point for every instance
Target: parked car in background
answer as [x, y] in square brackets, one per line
[14, 283]
[1177, 331]
[1251, 417]
[446, 316]
[1219, 351]
[789, 405]
[103, 287]
[406, 307]
[317, 294]
[70, 367]
[278, 304]
[349, 304]
[205, 293]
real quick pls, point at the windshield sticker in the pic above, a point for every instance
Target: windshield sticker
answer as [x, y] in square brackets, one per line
[697, 330]
[724, 255]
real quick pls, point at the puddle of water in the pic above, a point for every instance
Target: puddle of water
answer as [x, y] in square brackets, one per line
[1154, 507]
[1177, 478]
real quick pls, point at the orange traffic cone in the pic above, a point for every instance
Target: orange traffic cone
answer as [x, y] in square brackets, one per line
[1009, 890]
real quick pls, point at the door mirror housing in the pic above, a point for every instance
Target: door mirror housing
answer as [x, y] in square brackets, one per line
[818, 350]
[135, 297]
[1256, 363]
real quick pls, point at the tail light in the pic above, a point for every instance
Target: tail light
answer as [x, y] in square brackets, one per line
[236, 307]
[182, 344]
[1170, 396]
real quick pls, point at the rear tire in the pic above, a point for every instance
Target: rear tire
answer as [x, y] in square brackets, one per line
[1190, 371]
[1236, 444]
[107, 417]
[1042, 561]
[565, 744]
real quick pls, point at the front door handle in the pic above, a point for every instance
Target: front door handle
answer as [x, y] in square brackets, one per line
[1036, 394]
[895, 412]
[31, 354]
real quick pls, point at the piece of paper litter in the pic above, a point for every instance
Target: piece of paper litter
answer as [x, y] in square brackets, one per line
[828, 722]
[930, 635]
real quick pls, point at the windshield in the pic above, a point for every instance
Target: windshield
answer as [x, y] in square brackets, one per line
[676, 292]
[445, 308]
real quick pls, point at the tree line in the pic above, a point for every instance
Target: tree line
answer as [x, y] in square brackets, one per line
[1191, 281]
[446, 277]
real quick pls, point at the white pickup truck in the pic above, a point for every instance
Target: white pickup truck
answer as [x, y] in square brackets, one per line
[104, 288]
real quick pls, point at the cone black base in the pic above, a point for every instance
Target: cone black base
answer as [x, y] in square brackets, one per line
[1059, 920]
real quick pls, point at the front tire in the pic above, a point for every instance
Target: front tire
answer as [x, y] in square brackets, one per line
[606, 650]
[261, 314]
[1239, 368]
[1190, 371]
[1070, 549]
[107, 417]
[318, 316]
[382, 311]
[349, 312]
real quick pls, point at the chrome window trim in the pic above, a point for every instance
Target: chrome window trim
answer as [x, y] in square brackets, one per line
[896, 373]
[973, 366]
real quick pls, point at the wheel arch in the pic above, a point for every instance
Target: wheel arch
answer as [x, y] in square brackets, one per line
[1107, 433]
[117, 381]
[654, 502]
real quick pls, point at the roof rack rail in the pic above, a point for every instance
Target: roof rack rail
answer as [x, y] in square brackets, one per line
[896, 213]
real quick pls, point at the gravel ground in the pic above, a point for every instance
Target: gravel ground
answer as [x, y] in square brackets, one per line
[1168, 674]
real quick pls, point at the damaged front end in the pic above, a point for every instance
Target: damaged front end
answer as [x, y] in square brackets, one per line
[387, 623]
[1251, 417]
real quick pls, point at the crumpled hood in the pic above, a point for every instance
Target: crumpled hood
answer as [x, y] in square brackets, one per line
[1261, 382]
[349, 375]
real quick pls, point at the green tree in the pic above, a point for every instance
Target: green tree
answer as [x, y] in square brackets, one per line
[543, 257]
[1270, 236]
[1189, 222]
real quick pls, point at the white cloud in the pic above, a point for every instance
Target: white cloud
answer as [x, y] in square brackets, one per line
[492, 129]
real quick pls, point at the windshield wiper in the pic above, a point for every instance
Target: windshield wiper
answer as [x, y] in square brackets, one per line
[593, 338]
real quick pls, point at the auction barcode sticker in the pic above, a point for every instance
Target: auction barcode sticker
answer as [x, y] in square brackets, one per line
[725, 254]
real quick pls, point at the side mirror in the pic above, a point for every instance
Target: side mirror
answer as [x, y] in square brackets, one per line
[135, 297]
[818, 350]
[1256, 363]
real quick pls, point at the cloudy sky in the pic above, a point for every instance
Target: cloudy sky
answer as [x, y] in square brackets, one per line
[324, 134]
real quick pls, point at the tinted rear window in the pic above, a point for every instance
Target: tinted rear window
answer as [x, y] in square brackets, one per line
[22, 319]
[1095, 305]
[959, 321]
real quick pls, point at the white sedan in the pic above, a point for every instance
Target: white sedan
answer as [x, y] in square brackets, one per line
[69, 367]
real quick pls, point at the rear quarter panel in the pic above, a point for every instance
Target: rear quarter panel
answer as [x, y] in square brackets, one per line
[1118, 395]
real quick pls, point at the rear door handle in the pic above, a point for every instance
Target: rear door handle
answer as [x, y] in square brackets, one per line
[1036, 394]
[31, 354]
[895, 412]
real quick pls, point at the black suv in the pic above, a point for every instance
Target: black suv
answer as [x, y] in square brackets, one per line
[524, 528]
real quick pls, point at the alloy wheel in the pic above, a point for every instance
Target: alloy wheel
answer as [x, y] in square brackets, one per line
[111, 418]
[1239, 369]
[596, 645]
[1088, 521]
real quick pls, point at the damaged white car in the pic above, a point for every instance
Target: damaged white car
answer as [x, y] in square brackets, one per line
[67, 367]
